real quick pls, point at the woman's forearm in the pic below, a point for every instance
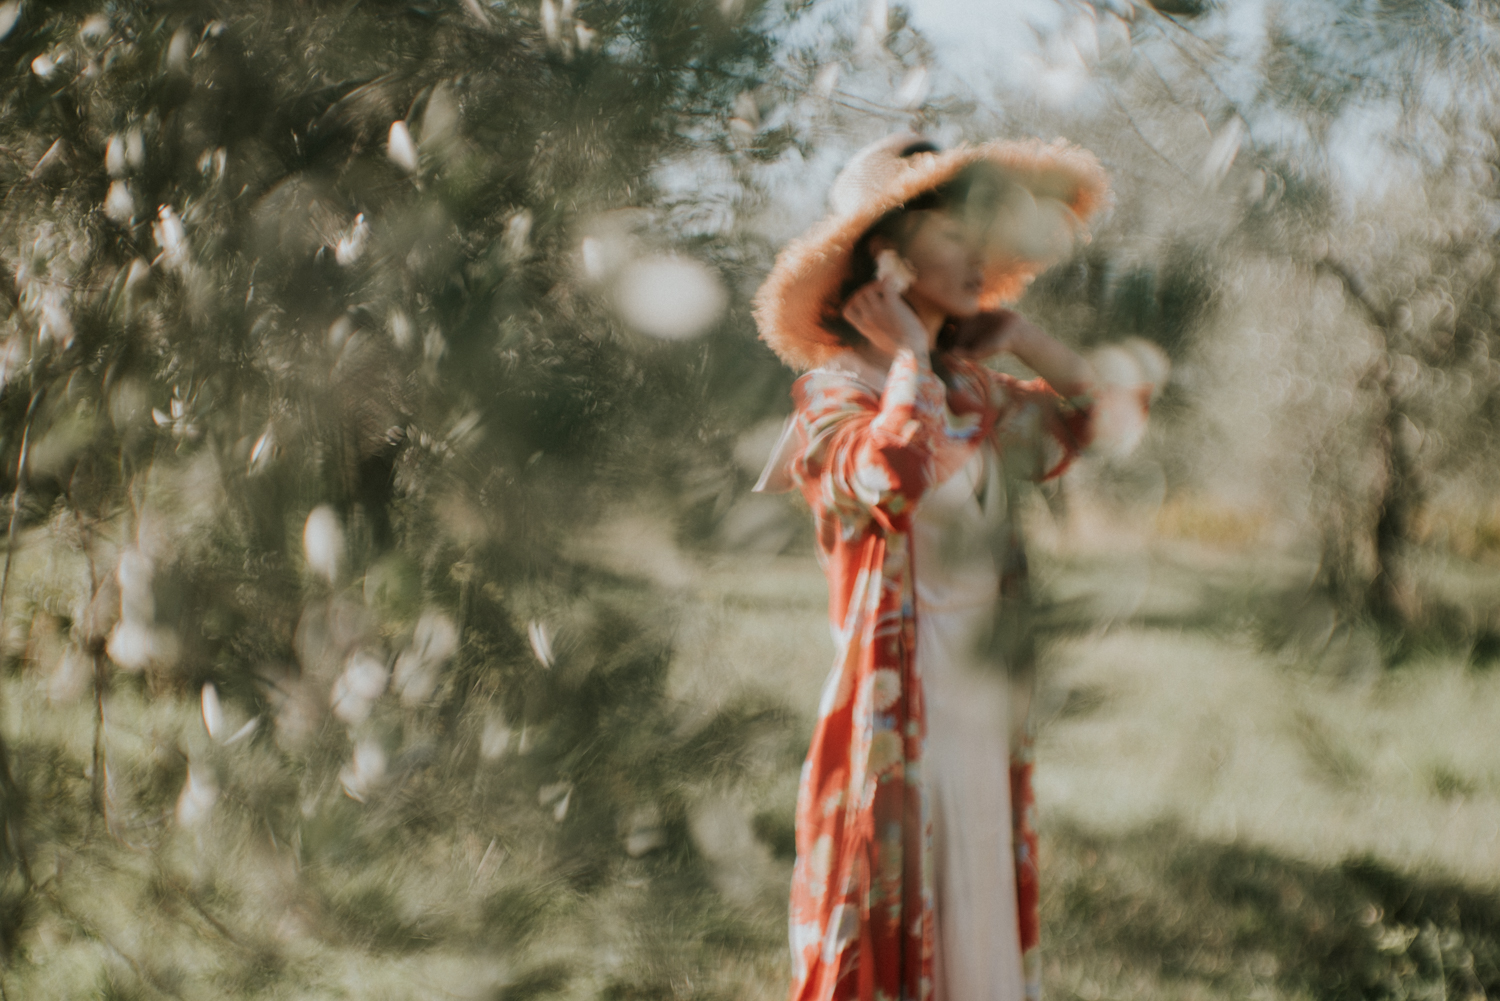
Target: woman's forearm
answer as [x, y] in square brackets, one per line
[1065, 370]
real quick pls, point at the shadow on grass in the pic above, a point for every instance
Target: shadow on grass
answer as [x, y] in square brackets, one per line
[1157, 907]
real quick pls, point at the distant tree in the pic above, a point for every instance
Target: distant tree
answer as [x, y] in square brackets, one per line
[1368, 298]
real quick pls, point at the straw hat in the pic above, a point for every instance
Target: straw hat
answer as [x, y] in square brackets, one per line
[1057, 186]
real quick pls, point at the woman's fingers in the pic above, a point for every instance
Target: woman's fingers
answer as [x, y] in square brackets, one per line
[884, 318]
[865, 310]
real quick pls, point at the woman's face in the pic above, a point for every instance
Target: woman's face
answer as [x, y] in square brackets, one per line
[947, 255]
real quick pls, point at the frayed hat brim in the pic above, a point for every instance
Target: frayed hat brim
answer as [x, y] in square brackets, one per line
[791, 306]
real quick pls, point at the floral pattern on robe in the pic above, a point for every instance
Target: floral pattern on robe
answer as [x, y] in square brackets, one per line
[862, 889]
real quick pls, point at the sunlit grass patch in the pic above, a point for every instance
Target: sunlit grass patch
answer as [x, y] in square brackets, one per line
[1205, 520]
[1465, 526]
[1214, 732]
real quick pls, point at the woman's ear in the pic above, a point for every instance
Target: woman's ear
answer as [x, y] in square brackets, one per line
[880, 243]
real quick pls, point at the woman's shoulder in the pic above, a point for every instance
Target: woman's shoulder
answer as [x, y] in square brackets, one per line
[848, 365]
[846, 371]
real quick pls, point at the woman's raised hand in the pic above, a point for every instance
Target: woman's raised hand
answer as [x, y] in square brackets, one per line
[886, 320]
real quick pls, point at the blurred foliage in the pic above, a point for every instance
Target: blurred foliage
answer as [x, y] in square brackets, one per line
[313, 387]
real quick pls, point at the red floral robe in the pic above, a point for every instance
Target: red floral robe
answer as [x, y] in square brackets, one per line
[862, 890]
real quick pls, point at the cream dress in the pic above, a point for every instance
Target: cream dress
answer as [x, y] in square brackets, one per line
[968, 744]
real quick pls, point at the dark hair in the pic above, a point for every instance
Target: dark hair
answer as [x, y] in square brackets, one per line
[976, 193]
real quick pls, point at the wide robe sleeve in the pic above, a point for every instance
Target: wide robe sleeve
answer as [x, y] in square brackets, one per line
[862, 889]
[868, 457]
[1038, 432]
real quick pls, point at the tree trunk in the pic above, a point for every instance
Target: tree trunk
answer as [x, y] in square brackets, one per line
[15, 873]
[1390, 597]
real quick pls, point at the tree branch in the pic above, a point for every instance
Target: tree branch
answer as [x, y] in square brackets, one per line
[1134, 127]
[1356, 291]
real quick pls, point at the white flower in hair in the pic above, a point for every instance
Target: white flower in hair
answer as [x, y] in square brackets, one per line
[893, 269]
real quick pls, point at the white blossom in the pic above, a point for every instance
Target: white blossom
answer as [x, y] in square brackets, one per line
[10, 13]
[263, 451]
[54, 325]
[400, 327]
[170, 237]
[399, 147]
[495, 737]
[140, 270]
[213, 719]
[95, 29]
[213, 712]
[556, 795]
[130, 645]
[592, 252]
[114, 156]
[517, 233]
[323, 542]
[365, 771]
[550, 27]
[362, 682]
[134, 574]
[176, 418]
[199, 793]
[541, 641]
[643, 831]
[135, 149]
[433, 644]
[670, 297]
[351, 245]
[119, 204]
[180, 50]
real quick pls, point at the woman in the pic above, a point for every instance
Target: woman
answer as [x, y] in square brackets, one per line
[915, 875]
